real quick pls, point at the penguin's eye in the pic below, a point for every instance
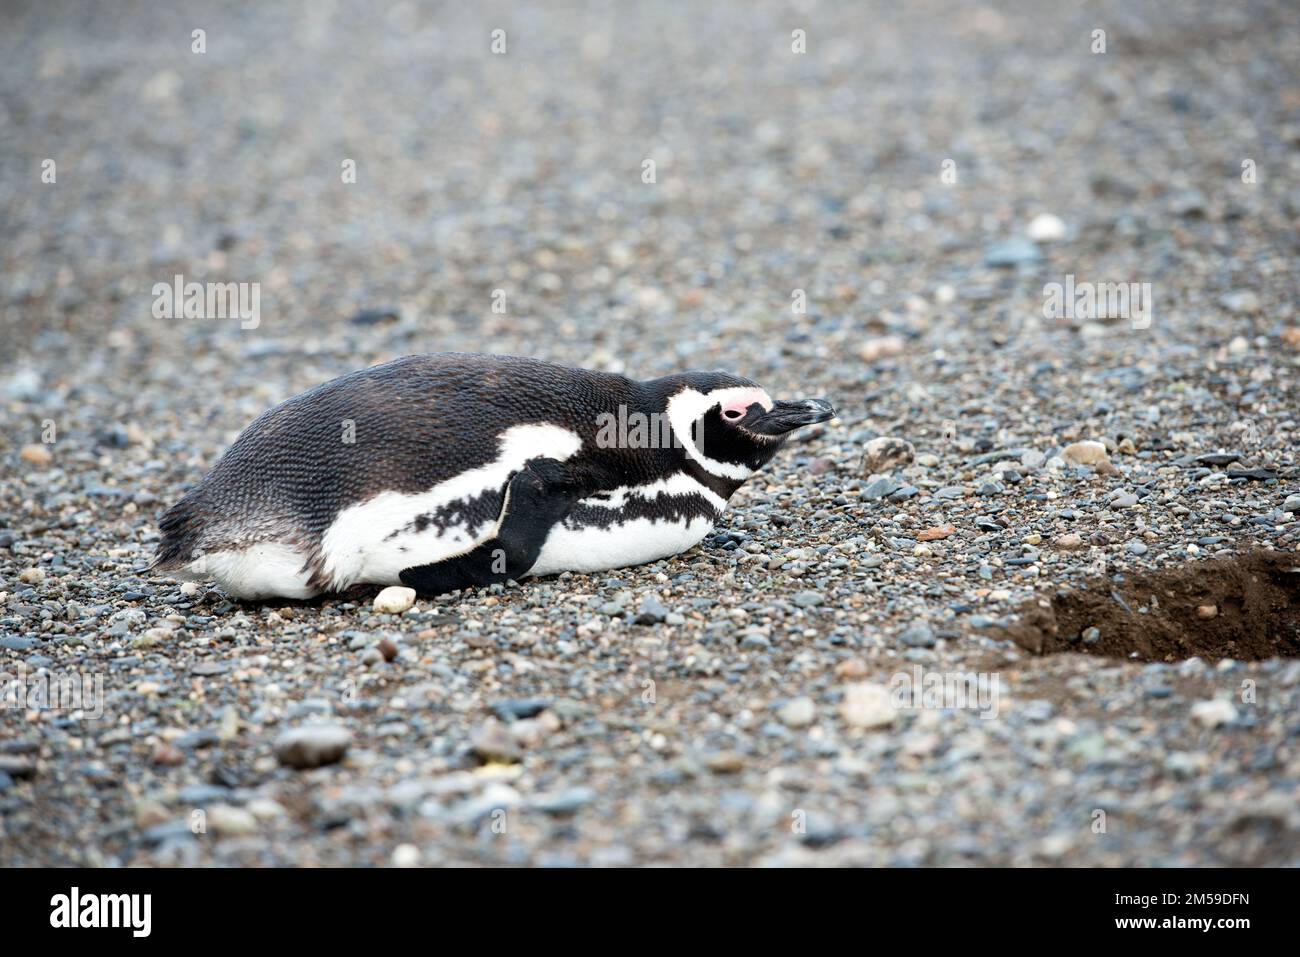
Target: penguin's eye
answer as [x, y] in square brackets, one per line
[733, 415]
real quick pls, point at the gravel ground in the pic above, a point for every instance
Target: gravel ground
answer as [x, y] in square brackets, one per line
[920, 176]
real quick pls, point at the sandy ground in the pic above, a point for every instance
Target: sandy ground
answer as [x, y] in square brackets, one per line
[913, 179]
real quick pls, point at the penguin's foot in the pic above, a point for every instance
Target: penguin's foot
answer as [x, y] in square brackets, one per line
[537, 497]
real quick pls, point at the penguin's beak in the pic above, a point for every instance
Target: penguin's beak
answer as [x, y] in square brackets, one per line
[788, 416]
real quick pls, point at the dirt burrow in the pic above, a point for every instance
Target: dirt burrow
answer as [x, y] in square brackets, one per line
[1246, 608]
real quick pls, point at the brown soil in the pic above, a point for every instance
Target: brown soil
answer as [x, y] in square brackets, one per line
[1154, 617]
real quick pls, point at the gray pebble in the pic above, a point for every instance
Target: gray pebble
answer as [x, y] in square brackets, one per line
[808, 599]
[918, 636]
[312, 746]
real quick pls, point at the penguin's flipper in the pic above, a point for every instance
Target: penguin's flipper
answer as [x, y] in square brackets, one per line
[536, 498]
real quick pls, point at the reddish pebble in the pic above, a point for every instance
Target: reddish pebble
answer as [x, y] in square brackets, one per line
[168, 754]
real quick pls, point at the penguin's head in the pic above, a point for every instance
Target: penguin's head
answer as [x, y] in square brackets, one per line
[730, 426]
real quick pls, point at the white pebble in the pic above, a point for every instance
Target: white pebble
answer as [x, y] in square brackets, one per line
[1215, 712]
[797, 712]
[406, 855]
[1046, 228]
[394, 600]
[867, 705]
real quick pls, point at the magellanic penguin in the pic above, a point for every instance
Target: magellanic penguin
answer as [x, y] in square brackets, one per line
[452, 470]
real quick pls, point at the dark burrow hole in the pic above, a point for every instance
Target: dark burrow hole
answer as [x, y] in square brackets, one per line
[1246, 608]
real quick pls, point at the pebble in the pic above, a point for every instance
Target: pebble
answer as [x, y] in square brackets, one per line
[23, 386]
[228, 724]
[531, 732]
[168, 755]
[1189, 203]
[1137, 548]
[394, 600]
[227, 821]
[492, 741]
[1046, 228]
[1012, 252]
[32, 576]
[918, 636]
[374, 317]
[37, 455]
[518, 709]
[406, 855]
[867, 705]
[1206, 612]
[886, 453]
[1240, 301]
[563, 803]
[150, 813]
[1091, 454]
[808, 599]
[1069, 542]
[312, 745]
[852, 668]
[879, 488]
[725, 762]
[883, 347]
[797, 712]
[18, 767]
[651, 611]
[1214, 713]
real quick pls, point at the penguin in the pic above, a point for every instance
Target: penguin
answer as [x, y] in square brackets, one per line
[455, 470]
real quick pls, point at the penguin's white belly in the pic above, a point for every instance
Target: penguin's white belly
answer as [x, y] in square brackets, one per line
[373, 541]
[592, 548]
[617, 542]
[264, 570]
[380, 562]
[274, 570]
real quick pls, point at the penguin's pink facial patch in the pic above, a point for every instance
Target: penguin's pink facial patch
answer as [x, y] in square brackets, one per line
[737, 406]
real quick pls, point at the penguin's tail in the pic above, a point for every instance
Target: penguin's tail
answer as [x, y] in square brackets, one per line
[182, 528]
